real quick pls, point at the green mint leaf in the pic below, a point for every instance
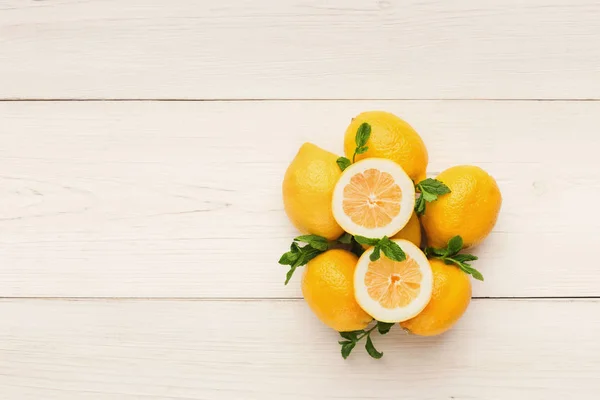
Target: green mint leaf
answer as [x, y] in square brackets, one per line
[289, 274]
[371, 349]
[428, 197]
[375, 254]
[384, 327]
[420, 205]
[361, 150]
[384, 241]
[289, 258]
[430, 190]
[471, 271]
[433, 186]
[315, 241]
[430, 251]
[393, 251]
[455, 245]
[305, 254]
[362, 134]
[464, 258]
[343, 163]
[347, 349]
[367, 241]
[352, 336]
[476, 274]
[346, 238]
[466, 268]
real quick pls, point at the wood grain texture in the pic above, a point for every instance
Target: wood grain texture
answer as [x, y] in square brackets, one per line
[55, 350]
[299, 49]
[182, 199]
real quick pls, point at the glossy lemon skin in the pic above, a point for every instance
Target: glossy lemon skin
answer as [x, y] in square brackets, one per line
[450, 299]
[328, 288]
[308, 190]
[391, 138]
[470, 210]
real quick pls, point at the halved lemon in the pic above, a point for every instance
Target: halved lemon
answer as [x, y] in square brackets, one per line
[373, 198]
[393, 291]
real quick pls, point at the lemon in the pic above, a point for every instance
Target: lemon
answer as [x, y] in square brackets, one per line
[391, 138]
[328, 288]
[411, 231]
[308, 189]
[449, 301]
[373, 198]
[393, 291]
[469, 210]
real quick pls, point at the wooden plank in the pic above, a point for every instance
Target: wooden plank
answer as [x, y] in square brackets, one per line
[299, 49]
[126, 350]
[180, 199]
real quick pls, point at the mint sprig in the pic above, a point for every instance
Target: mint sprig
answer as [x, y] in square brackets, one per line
[363, 133]
[430, 189]
[298, 256]
[389, 248]
[352, 338]
[450, 255]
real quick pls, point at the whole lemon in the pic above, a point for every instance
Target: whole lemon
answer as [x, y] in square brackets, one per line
[308, 190]
[411, 231]
[469, 210]
[449, 301]
[328, 288]
[391, 138]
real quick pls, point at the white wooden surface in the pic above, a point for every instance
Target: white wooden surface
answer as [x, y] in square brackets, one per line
[139, 239]
[277, 349]
[299, 49]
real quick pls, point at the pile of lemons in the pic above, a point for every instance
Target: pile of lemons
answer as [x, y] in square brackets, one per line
[367, 264]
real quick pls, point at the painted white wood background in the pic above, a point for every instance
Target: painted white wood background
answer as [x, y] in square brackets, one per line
[142, 147]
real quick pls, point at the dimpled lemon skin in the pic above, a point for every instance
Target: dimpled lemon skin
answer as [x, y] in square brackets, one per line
[308, 189]
[449, 301]
[469, 210]
[391, 138]
[328, 288]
